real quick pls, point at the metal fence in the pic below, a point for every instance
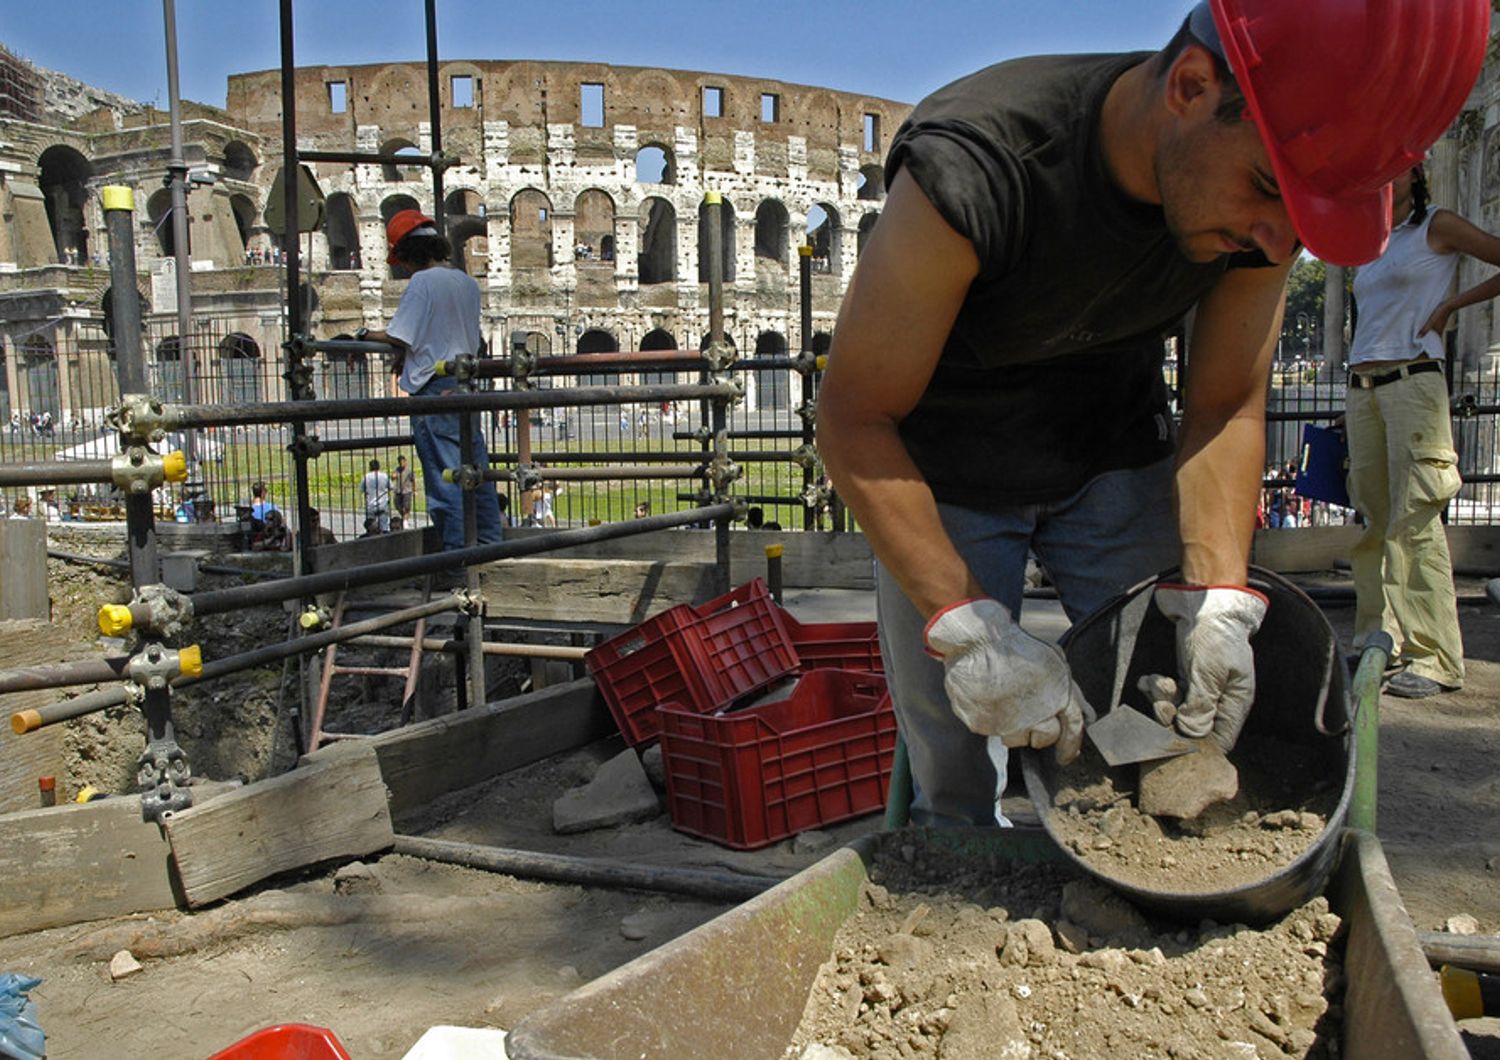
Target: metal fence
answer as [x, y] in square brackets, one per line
[55, 394]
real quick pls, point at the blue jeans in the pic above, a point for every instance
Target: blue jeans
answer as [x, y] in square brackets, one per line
[436, 440]
[1118, 530]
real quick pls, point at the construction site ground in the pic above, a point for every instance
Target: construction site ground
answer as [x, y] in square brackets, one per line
[381, 950]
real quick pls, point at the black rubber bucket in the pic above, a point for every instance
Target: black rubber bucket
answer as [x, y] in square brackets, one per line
[1301, 698]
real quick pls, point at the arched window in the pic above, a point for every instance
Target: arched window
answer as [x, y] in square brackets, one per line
[393, 172]
[239, 361]
[597, 340]
[468, 231]
[345, 375]
[531, 230]
[823, 237]
[64, 183]
[866, 226]
[658, 242]
[771, 224]
[872, 182]
[39, 377]
[341, 231]
[773, 387]
[242, 207]
[166, 370]
[394, 204]
[658, 339]
[594, 227]
[653, 165]
[239, 161]
[159, 213]
[726, 221]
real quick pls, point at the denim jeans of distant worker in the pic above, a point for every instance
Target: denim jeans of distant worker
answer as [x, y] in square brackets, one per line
[436, 440]
[1118, 530]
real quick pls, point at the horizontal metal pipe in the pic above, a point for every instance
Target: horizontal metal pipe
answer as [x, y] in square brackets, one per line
[206, 568]
[56, 472]
[61, 675]
[568, 652]
[183, 416]
[377, 158]
[605, 474]
[692, 436]
[219, 601]
[1479, 953]
[593, 872]
[30, 720]
[345, 445]
[606, 457]
[349, 346]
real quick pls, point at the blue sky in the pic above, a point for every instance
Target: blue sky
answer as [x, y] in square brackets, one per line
[877, 47]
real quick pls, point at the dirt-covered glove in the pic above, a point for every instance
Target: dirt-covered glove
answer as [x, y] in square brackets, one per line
[1214, 626]
[1004, 682]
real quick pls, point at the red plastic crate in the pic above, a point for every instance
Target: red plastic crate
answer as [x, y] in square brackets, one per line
[758, 775]
[702, 658]
[835, 645]
[287, 1041]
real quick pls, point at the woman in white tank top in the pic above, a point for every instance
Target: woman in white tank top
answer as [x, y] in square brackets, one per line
[1402, 467]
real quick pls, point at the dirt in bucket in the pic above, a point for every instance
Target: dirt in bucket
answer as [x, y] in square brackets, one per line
[949, 959]
[1284, 802]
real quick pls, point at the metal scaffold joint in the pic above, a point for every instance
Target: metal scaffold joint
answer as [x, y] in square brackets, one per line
[309, 446]
[155, 666]
[155, 609]
[466, 477]
[528, 477]
[722, 471]
[522, 364]
[163, 773]
[139, 470]
[140, 419]
[804, 456]
[735, 382]
[720, 356]
[808, 411]
[807, 362]
[816, 497]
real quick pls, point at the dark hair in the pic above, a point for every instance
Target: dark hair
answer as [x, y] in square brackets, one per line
[423, 250]
[258, 490]
[1420, 196]
[374, 465]
[1232, 104]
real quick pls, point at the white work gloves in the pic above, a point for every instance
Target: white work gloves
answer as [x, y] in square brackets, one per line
[1214, 625]
[1004, 682]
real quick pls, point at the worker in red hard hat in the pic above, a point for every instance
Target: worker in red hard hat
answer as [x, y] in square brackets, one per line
[437, 320]
[995, 385]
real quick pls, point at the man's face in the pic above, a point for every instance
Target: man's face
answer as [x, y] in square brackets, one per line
[1218, 191]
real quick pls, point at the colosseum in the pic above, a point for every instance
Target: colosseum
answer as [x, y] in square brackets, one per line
[577, 202]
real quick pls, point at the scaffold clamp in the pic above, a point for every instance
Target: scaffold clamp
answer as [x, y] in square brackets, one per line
[139, 418]
[720, 356]
[309, 446]
[815, 497]
[804, 456]
[163, 773]
[808, 411]
[138, 470]
[528, 477]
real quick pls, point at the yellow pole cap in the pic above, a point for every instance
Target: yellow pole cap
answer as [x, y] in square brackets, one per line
[821, 362]
[24, 721]
[115, 620]
[713, 198]
[774, 551]
[447, 474]
[88, 793]
[310, 619]
[441, 368]
[804, 250]
[1462, 992]
[118, 197]
[174, 466]
[190, 661]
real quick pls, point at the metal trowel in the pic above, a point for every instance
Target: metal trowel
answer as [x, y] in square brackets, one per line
[1125, 736]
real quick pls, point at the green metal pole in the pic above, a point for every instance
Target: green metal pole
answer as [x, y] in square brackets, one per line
[898, 798]
[1366, 697]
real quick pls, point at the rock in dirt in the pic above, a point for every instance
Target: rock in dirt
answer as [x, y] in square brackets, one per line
[652, 764]
[356, 878]
[123, 964]
[649, 924]
[819, 1051]
[811, 842]
[618, 794]
[1100, 912]
[988, 1028]
[1462, 924]
[1187, 785]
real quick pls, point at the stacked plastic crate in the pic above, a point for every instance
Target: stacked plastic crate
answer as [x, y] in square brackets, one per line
[747, 773]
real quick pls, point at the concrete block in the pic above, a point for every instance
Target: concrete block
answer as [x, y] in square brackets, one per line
[619, 794]
[23, 559]
[179, 570]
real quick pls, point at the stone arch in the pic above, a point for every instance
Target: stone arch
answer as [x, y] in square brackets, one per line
[773, 388]
[397, 146]
[654, 164]
[64, 178]
[658, 339]
[726, 216]
[594, 223]
[657, 262]
[345, 375]
[240, 365]
[660, 96]
[771, 226]
[464, 216]
[242, 208]
[341, 229]
[872, 182]
[707, 335]
[159, 213]
[597, 340]
[391, 205]
[866, 227]
[240, 162]
[823, 237]
[531, 230]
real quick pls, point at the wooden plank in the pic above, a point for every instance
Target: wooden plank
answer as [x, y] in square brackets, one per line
[328, 809]
[74, 862]
[431, 758]
[592, 590]
[1475, 549]
[23, 759]
[23, 558]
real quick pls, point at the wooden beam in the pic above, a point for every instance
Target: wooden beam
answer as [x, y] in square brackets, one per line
[332, 808]
[431, 758]
[593, 590]
[23, 558]
[75, 862]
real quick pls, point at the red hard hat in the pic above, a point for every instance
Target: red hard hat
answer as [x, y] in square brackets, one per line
[401, 225]
[1348, 95]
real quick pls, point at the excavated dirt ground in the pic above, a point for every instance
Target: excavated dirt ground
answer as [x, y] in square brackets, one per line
[379, 952]
[943, 960]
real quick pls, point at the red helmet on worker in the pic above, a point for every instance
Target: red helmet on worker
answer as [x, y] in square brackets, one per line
[404, 223]
[1347, 95]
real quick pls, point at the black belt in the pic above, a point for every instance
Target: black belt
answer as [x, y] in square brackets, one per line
[1365, 382]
